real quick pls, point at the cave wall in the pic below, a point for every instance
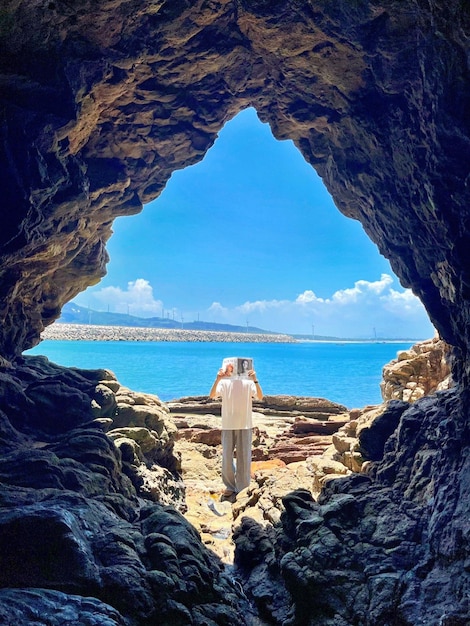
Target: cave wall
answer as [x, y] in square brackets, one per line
[101, 102]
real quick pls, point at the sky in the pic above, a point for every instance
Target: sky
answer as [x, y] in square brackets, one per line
[250, 236]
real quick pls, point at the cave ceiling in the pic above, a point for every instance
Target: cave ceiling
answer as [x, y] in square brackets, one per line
[101, 101]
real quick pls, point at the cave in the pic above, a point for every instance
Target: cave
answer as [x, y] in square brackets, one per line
[100, 103]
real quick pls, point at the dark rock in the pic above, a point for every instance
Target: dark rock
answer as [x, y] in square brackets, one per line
[73, 522]
[372, 439]
[100, 103]
[22, 606]
[374, 96]
[255, 552]
[360, 553]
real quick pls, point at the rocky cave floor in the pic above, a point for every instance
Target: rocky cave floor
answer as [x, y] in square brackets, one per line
[279, 466]
[111, 507]
[216, 518]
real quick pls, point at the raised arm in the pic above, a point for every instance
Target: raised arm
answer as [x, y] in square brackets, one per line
[213, 391]
[259, 391]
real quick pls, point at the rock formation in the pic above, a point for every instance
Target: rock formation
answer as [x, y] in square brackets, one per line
[100, 103]
[417, 372]
[90, 531]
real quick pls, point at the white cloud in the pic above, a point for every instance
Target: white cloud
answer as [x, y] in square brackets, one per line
[362, 290]
[137, 300]
[217, 309]
[365, 310]
[260, 306]
[307, 297]
[368, 309]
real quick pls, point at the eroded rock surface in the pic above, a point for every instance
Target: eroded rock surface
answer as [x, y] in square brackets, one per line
[282, 446]
[100, 103]
[382, 547]
[417, 372]
[98, 525]
[87, 531]
[314, 548]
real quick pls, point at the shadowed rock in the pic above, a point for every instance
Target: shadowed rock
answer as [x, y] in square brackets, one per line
[100, 103]
[73, 522]
[104, 102]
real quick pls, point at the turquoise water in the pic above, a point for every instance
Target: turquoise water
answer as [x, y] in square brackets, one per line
[348, 373]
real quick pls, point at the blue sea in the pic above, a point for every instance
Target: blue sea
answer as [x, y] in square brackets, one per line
[348, 373]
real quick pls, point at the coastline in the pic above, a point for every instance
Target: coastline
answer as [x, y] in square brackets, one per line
[90, 332]
[85, 332]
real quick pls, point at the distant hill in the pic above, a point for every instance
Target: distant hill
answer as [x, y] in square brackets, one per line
[74, 314]
[311, 337]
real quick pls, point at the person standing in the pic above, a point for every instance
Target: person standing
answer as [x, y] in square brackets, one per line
[237, 426]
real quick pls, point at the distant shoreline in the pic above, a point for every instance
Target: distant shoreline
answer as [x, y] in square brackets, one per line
[82, 332]
[89, 332]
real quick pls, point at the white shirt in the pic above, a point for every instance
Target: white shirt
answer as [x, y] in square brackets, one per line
[237, 394]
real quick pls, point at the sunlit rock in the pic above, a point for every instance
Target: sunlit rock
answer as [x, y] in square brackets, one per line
[100, 104]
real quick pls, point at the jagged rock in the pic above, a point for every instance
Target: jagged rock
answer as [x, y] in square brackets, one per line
[100, 103]
[373, 527]
[73, 522]
[363, 437]
[263, 499]
[82, 481]
[325, 467]
[22, 606]
[417, 372]
[374, 433]
[140, 454]
[95, 130]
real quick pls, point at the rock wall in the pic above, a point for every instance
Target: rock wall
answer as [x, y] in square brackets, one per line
[90, 531]
[102, 102]
[384, 547]
[417, 372]
[99, 104]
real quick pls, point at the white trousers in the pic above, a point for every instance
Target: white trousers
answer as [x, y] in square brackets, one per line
[236, 475]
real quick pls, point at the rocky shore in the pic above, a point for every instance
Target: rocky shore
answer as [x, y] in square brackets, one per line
[82, 332]
[112, 500]
[101, 102]
[299, 443]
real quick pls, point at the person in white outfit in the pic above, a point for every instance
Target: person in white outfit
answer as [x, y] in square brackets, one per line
[237, 425]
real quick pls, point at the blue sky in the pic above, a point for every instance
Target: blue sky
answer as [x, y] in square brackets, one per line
[250, 235]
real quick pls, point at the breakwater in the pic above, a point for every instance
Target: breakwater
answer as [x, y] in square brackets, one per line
[89, 332]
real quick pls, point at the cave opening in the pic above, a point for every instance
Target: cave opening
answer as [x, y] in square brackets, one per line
[249, 237]
[252, 201]
[100, 103]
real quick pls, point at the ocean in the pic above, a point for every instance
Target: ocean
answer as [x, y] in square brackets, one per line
[347, 373]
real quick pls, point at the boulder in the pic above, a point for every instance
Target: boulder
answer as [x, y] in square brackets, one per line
[417, 372]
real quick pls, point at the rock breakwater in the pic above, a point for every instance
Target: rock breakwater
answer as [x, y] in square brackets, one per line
[82, 332]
